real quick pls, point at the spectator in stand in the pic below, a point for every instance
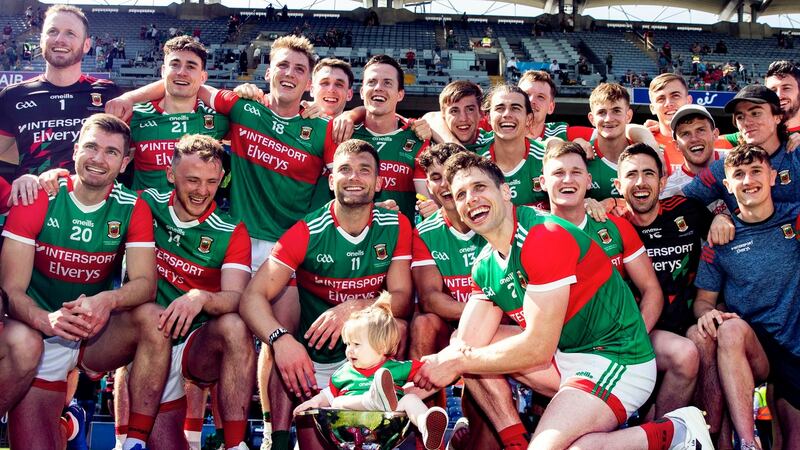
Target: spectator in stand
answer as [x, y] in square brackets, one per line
[609, 61]
[511, 68]
[7, 30]
[695, 48]
[285, 13]
[411, 58]
[270, 13]
[705, 49]
[667, 49]
[721, 47]
[555, 69]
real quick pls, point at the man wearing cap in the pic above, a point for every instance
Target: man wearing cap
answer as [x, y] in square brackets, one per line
[695, 134]
[758, 116]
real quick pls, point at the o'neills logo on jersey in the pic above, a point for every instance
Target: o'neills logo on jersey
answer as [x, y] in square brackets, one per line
[784, 176]
[604, 236]
[97, 99]
[788, 231]
[681, 223]
[113, 227]
[537, 185]
[305, 133]
[409, 145]
[380, 252]
[208, 121]
[205, 244]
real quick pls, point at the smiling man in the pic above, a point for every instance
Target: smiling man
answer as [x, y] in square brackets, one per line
[57, 266]
[748, 338]
[50, 108]
[343, 254]
[519, 157]
[571, 305]
[158, 125]
[398, 146]
[758, 116]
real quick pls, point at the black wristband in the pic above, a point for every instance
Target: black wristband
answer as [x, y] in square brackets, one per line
[275, 335]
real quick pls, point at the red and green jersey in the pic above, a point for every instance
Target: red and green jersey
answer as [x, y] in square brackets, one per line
[480, 140]
[618, 239]
[548, 252]
[523, 180]
[192, 255]
[275, 164]
[333, 266]
[437, 242]
[604, 172]
[154, 134]
[349, 380]
[78, 246]
[398, 152]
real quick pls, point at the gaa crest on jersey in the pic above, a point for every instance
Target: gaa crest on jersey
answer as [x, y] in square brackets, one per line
[305, 133]
[409, 145]
[205, 244]
[97, 99]
[208, 121]
[784, 177]
[537, 185]
[681, 223]
[380, 252]
[113, 229]
[604, 236]
[522, 281]
[788, 231]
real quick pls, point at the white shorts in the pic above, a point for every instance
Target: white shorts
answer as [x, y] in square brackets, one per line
[323, 372]
[58, 359]
[260, 251]
[173, 389]
[623, 388]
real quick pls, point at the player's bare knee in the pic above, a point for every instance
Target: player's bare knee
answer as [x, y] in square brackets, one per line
[731, 335]
[234, 330]
[24, 345]
[423, 327]
[686, 358]
[703, 344]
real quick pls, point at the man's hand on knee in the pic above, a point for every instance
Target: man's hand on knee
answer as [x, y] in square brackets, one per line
[295, 366]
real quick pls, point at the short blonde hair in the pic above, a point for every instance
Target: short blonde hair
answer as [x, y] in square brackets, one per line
[383, 333]
[609, 92]
[299, 44]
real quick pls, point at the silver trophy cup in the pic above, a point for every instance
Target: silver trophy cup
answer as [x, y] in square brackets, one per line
[360, 430]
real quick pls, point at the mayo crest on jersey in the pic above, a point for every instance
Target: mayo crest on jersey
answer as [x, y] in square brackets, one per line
[192, 255]
[523, 180]
[78, 246]
[155, 132]
[548, 252]
[275, 164]
[398, 152]
[333, 266]
[46, 119]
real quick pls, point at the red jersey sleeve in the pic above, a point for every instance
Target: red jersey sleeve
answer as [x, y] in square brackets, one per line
[24, 223]
[576, 132]
[238, 255]
[5, 192]
[224, 100]
[549, 256]
[140, 230]
[420, 254]
[419, 172]
[330, 146]
[290, 250]
[632, 245]
[415, 366]
[402, 249]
